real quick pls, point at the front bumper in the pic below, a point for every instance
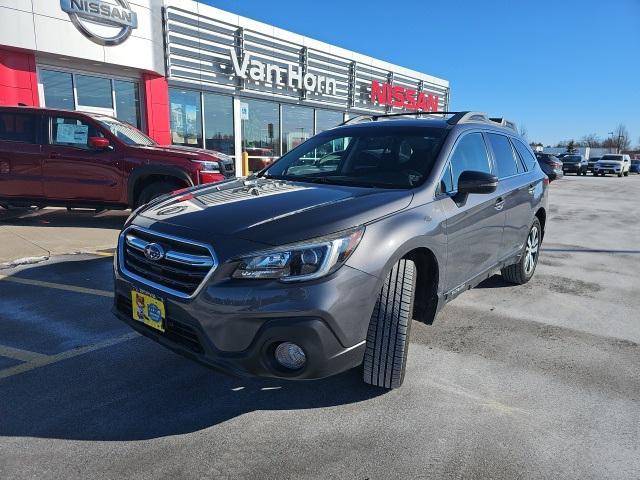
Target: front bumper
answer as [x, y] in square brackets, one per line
[235, 326]
[570, 168]
[601, 169]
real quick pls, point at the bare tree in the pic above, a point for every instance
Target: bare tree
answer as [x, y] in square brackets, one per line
[621, 138]
[591, 140]
[523, 131]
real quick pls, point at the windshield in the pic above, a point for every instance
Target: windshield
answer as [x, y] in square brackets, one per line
[617, 158]
[125, 132]
[367, 157]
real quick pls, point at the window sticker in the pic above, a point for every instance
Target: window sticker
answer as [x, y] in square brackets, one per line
[75, 134]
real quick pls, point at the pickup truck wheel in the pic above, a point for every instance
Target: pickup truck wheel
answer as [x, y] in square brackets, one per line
[521, 272]
[385, 357]
[620, 174]
[626, 174]
[154, 191]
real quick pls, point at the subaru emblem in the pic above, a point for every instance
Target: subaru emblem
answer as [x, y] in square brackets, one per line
[154, 252]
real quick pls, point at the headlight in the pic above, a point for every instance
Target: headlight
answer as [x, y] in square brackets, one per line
[301, 261]
[208, 165]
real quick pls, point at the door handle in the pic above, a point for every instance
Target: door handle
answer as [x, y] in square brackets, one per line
[55, 155]
[499, 204]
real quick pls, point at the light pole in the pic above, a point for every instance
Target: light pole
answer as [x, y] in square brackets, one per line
[611, 133]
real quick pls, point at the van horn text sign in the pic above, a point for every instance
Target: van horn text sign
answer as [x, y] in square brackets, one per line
[292, 76]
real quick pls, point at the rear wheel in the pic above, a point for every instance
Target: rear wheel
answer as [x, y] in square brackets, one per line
[385, 357]
[154, 190]
[521, 272]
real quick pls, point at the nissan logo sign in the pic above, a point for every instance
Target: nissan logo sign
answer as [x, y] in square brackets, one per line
[105, 22]
[154, 252]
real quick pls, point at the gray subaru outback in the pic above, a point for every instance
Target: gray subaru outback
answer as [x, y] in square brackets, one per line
[320, 262]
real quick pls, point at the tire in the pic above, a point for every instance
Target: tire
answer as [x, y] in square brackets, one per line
[626, 174]
[154, 190]
[521, 272]
[385, 357]
[620, 174]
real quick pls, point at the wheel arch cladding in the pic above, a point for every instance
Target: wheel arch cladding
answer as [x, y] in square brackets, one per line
[426, 292]
[542, 218]
[145, 177]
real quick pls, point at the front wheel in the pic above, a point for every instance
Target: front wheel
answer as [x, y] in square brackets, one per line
[153, 191]
[619, 174]
[521, 272]
[385, 357]
[626, 174]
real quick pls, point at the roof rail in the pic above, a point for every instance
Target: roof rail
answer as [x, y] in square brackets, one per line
[503, 122]
[376, 117]
[456, 118]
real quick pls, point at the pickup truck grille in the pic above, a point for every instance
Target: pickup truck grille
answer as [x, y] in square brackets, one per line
[179, 269]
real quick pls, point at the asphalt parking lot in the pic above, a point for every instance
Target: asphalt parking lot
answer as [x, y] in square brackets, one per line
[536, 381]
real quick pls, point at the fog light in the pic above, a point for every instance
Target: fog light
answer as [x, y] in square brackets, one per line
[290, 356]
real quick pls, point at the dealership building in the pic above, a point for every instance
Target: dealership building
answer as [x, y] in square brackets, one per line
[190, 74]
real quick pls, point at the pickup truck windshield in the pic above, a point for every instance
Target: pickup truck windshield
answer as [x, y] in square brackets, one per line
[125, 132]
[617, 158]
[365, 157]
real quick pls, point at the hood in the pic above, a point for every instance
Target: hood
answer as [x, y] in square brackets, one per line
[276, 212]
[187, 152]
[613, 160]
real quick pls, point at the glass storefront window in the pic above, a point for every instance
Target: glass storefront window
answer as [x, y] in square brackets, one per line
[58, 89]
[218, 123]
[297, 126]
[261, 133]
[186, 117]
[326, 119]
[94, 91]
[127, 102]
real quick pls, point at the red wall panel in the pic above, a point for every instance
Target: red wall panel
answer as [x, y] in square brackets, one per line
[18, 78]
[156, 91]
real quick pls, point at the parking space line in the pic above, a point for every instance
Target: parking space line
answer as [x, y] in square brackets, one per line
[17, 354]
[45, 360]
[103, 254]
[57, 286]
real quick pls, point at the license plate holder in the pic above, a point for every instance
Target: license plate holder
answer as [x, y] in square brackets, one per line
[148, 309]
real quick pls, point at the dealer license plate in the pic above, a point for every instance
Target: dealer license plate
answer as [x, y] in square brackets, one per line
[148, 309]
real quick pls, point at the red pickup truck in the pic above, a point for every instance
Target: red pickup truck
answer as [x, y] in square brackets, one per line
[73, 159]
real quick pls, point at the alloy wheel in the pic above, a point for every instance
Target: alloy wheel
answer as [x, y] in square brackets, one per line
[531, 251]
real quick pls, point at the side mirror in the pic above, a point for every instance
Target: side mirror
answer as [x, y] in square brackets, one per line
[99, 143]
[476, 182]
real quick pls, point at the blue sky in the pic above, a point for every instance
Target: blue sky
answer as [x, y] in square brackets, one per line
[563, 68]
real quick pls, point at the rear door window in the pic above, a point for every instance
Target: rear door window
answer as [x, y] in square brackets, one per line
[504, 155]
[525, 153]
[19, 127]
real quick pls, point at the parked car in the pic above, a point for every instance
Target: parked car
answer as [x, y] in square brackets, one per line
[73, 159]
[259, 158]
[550, 165]
[574, 164]
[635, 166]
[591, 163]
[312, 268]
[617, 164]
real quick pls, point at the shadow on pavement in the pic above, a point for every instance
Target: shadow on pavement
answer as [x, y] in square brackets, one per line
[62, 218]
[136, 389]
[495, 281]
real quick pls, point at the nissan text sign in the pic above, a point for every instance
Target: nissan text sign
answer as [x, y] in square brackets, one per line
[400, 97]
